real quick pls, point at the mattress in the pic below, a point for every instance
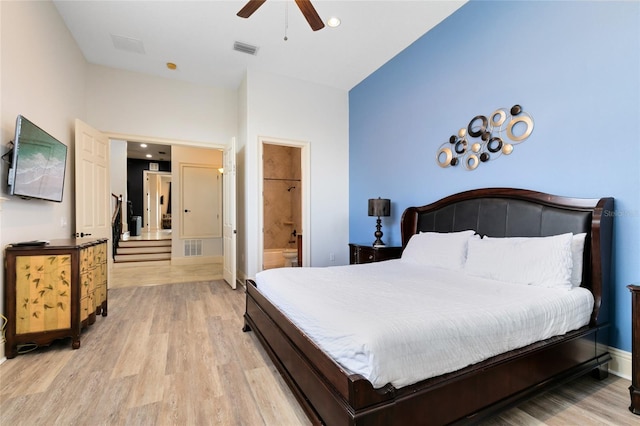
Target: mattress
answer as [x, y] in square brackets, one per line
[397, 322]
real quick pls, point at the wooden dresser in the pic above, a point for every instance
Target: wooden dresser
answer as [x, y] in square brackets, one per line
[53, 291]
[634, 389]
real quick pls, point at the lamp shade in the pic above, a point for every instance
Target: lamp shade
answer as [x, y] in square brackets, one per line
[379, 207]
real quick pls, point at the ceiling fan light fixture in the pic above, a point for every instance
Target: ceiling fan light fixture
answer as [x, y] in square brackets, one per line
[305, 6]
[333, 22]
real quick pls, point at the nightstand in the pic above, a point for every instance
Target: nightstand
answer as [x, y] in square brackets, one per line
[363, 253]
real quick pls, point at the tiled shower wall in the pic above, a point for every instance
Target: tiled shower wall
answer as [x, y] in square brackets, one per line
[282, 195]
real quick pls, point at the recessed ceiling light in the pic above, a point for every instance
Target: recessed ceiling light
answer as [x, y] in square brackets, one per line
[333, 22]
[149, 155]
[143, 145]
[171, 66]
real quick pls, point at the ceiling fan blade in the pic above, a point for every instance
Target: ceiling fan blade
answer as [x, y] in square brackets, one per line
[249, 8]
[310, 14]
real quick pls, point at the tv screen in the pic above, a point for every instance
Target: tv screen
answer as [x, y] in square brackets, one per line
[38, 164]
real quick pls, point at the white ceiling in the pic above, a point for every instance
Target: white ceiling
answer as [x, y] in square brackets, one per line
[199, 35]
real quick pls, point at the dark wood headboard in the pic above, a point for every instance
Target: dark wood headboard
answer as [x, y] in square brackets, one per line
[509, 212]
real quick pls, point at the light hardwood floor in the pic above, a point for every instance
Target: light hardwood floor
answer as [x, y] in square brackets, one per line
[165, 355]
[175, 355]
[146, 274]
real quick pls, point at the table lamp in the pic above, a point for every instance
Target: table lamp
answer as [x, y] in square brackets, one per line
[379, 207]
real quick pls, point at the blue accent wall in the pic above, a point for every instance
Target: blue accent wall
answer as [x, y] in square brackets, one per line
[573, 65]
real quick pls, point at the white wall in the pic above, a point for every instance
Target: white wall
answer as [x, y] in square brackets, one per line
[284, 108]
[43, 78]
[127, 103]
[118, 168]
[131, 103]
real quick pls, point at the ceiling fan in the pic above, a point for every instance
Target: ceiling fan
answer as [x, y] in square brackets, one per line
[305, 6]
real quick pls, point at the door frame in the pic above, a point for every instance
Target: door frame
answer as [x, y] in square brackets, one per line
[305, 165]
[163, 141]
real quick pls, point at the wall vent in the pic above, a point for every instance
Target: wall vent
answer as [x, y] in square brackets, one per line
[192, 248]
[245, 48]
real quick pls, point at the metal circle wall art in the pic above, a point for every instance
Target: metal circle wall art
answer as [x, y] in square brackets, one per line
[486, 138]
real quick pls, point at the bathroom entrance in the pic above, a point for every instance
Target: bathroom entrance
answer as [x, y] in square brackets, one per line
[282, 205]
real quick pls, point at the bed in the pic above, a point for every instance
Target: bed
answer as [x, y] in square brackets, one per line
[332, 393]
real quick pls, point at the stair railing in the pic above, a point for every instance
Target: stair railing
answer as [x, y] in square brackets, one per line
[116, 223]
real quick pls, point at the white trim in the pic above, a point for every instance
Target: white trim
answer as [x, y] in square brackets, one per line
[620, 364]
[241, 277]
[162, 141]
[196, 260]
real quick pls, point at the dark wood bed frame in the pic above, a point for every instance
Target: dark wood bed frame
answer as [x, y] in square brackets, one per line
[332, 396]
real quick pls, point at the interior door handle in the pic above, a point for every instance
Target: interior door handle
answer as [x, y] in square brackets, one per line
[187, 211]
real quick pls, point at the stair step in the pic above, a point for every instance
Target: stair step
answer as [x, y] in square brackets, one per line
[138, 263]
[144, 243]
[141, 257]
[143, 249]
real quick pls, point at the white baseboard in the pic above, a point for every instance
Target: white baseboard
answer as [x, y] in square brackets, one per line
[241, 277]
[196, 260]
[620, 364]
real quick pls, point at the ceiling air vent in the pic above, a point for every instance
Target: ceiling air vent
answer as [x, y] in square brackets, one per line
[245, 48]
[127, 44]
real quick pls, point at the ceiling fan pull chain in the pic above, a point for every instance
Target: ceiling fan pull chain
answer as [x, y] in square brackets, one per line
[286, 19]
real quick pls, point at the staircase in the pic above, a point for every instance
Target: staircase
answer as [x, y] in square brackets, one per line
[136, 252]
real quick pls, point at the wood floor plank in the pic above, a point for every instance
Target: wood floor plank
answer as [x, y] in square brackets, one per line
[516, 417]
[175, 354]
[132, 356]
[143, 415]
[38, 371]
[266, 392]
[149, 387]
[113, 400]
[243, 408]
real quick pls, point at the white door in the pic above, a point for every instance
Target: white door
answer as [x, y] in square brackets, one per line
[229, 232]
[200, 202]
[93, 216]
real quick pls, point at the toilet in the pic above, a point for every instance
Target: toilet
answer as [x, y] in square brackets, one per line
[290, 257]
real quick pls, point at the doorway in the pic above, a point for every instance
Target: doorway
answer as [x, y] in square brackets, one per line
[160, 204]
[284, 188]
[157, 201]
[93, 205]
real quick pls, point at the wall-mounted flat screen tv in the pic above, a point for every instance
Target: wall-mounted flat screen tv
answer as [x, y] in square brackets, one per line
[38, 163]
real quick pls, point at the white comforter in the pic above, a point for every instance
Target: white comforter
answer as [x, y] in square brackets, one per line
[399, 323]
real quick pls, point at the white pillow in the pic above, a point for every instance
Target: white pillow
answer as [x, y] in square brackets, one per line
[577, 253]
[445, 250]
[540, 261]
